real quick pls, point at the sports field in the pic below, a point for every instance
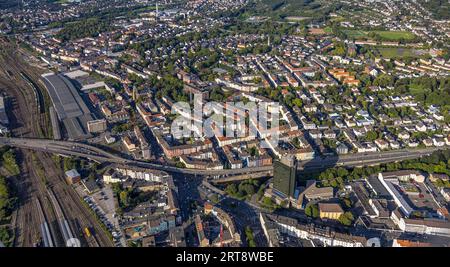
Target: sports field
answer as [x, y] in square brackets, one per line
[385, 35]
[388, 52]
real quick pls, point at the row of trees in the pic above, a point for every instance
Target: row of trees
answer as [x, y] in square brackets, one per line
[269, 204]
[243, 190]
[437, 162]
[6, 236]
[9, 161]
[249, 237]
[7, 201]
[347, 218]
[70, 163]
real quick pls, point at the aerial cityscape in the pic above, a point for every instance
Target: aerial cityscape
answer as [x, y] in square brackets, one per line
[212, 123]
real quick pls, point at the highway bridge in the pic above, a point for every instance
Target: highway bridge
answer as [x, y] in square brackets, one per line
[83, 150]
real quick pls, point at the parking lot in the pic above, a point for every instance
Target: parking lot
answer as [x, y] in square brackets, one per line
[103, 204]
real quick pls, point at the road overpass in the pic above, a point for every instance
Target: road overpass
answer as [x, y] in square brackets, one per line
[83, 150]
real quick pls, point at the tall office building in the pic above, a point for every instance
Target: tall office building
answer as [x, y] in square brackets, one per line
[284, 173]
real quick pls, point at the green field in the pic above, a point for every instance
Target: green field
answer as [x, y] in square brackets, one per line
[62, 1]
[355, 33]
[282, 9]
[328, 30]
[385, 35]
[387, 52]
[297, 18]
[337, 19]
[395, 35]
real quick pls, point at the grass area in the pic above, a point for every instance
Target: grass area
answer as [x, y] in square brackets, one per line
[395, 35]
[337, 19]
[328, 30]
[297, 18]
[355, 33]
[385, 35]
[399, 52]
[287, 8]
[396, 52]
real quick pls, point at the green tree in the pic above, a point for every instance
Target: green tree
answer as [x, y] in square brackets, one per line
[5, 236]
[215, 198]
[249, 236]
[371, 135]
[123, 196]
[5, 198]
[342, 172]
[231, 189]
[347, 202]
[297, 102]
[312, 210]
[346, 218]
[70, 163]
[9, 162]
[268, 201]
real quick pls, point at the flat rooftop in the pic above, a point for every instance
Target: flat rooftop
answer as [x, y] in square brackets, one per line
[69, 106]
[378, 187]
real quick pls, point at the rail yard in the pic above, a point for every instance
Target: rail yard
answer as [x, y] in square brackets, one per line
[50, 212]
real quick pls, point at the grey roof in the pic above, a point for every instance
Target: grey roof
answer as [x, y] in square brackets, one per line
[72, 173]
[3, 115]
[69, 105]
[378, 187]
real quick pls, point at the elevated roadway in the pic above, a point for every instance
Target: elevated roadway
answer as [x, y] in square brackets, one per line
[94, 153]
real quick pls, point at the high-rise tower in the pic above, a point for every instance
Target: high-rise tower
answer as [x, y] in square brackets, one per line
[284, 177]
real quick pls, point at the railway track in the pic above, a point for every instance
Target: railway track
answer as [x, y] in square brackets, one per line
[30, 119]
[47, 207]
[78, 216]
[47, 237]
[27, 219]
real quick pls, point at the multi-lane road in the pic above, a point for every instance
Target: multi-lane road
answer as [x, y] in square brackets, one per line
[94, 153]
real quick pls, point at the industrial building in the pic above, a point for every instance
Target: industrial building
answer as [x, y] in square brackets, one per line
[72, 176]
[69, 106]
